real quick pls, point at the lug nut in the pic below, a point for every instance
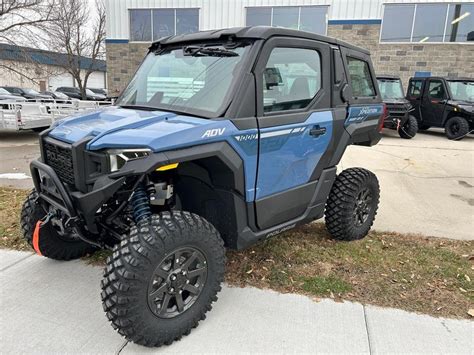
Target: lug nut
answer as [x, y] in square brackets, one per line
[184, 272]
[173, 277]
[171, 289]
[180, 291]
[187, 281]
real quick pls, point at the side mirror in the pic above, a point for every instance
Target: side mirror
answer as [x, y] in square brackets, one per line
[272, 77]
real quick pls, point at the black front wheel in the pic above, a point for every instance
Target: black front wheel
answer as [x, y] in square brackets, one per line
[409, 129]
[52, 241]
[352, 204]
[456, 128]
[163, 277]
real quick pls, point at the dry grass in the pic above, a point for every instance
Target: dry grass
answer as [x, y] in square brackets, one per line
[11, 201]
[410, 272]
[414, 273]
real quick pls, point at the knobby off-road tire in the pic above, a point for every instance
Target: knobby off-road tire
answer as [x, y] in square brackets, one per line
[134, 272]
[409, 129]
[352, 204]
[456, 128]
[51, 244]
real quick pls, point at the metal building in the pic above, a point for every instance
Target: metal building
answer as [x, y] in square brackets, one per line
[406, 38]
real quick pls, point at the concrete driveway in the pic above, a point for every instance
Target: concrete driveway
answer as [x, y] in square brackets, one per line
[54, 307]
[427, 183]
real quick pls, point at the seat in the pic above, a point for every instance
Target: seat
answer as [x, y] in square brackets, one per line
[300, 89]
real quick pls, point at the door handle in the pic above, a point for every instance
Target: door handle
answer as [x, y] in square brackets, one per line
[317, 131]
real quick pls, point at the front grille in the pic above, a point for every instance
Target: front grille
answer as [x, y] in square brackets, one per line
[396, 110]
[60, 159]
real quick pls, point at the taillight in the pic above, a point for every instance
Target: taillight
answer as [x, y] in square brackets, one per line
[383, 117]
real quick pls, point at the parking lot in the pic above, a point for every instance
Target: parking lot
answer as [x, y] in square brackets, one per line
[426, 182]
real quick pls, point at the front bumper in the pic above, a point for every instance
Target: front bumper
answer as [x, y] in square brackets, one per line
[395, 120]
[79, 206]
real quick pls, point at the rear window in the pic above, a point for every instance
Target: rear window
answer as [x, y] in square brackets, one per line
[361, 79]
[414, 90]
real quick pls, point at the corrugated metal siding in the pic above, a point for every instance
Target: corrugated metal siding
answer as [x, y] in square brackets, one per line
[231, 13]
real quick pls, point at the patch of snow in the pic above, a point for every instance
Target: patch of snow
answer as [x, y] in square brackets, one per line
[14, 176]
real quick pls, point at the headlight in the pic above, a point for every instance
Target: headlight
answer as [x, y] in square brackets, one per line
[118, 157]
[468, 108]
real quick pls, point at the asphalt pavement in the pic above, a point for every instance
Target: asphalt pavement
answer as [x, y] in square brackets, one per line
[427, 183]
[54, 307]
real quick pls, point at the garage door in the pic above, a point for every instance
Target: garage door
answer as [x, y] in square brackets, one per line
[96, 80]
[60, 80]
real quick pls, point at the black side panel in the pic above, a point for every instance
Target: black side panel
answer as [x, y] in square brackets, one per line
[365, 133]
[284, 206]
[317, 203]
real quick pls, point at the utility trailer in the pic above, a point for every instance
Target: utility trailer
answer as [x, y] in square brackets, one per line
[20, 116]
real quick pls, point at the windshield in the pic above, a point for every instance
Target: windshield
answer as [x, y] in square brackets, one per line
[189, 79]
[4, 92]
[462, 90]
[31, 92]
[391, 89]
[90, 92]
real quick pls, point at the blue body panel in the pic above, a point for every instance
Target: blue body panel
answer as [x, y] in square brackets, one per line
[159, 131]
[288, 154]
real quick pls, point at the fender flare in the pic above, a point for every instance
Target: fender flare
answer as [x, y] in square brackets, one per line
[220, 150]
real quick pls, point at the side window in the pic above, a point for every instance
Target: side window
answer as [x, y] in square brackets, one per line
[436, 90]
[361, 79]
[414, 91]
[291, 79]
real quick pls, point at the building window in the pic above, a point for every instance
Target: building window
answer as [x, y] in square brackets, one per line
[430, 20]
[140, 25]
[151, 24]
[291, 79]
[460, 26]
[304, 18]
[428, 23]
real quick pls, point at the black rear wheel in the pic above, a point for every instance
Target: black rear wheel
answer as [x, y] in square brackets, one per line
[409, 129]
[456, 128]
[163, 277]
[352, 204]
[52, 242]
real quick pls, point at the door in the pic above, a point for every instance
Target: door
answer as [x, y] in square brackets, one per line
[96, 80]
[434, 102]
[295, 126]
[414, 96]
[56, 81]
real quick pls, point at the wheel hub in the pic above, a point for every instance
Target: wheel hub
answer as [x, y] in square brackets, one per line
[177, 282]
[362, 207]
[455, 128]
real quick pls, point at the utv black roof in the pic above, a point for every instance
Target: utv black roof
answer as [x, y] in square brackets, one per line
[254, 32]
[390, 77]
